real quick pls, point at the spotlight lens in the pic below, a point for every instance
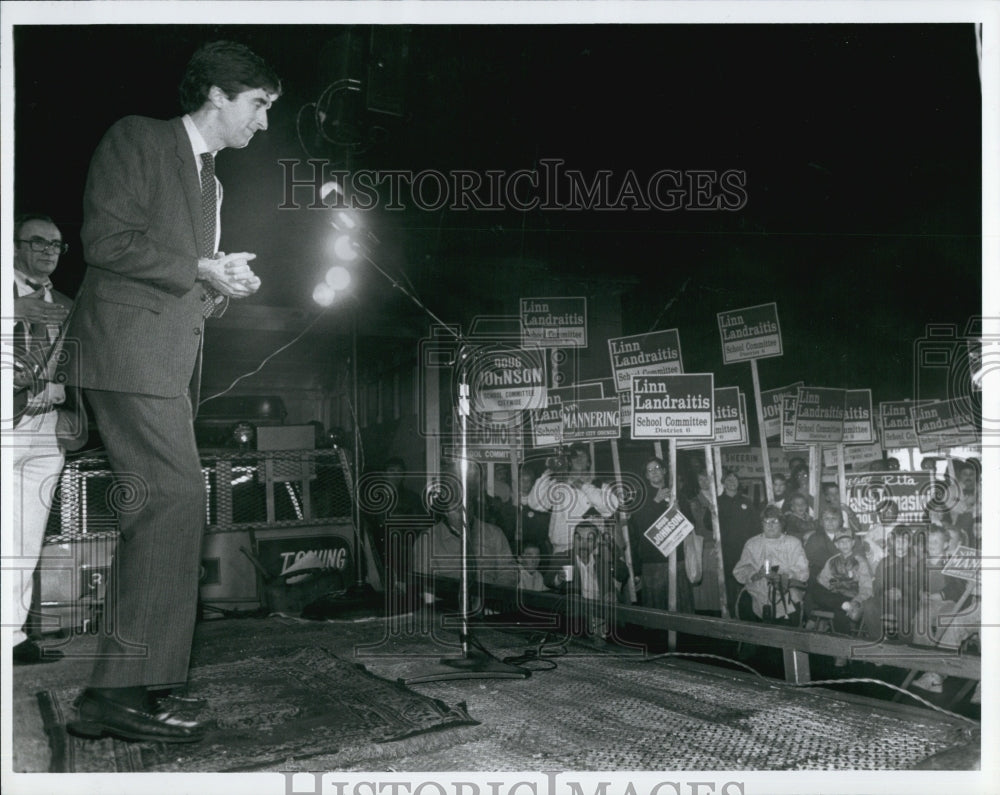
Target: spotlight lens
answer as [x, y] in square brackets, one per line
[323, 294]
[330, 187]
[343, 247]
[243, 433]
[338, 277]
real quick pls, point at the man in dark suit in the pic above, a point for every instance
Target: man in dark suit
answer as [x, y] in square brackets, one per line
[46, 424]
[150, 236]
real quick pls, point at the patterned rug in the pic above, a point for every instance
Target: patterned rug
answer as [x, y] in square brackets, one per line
[265, 712]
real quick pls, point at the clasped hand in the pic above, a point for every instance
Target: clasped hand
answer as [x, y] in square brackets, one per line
[230, 274]
[33, 308]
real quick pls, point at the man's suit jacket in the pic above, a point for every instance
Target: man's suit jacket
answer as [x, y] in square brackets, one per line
[138, 317]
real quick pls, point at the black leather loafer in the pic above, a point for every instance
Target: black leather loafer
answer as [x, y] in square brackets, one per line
[27, 652]
[101, 717]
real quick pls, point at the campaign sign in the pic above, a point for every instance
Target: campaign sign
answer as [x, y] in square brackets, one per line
[896, 419]
[625, 408]
[507, 379]
[587, 420]
[788, 420]
[859, 419]
[673, 406]
[748, 464]
[750, 333]
[743, 413]
[669, 530]
[942, 424]
[853, 454]
[554, 322]
[819, 414]
[656, 353]
[964, 563]
[771, 407]
[546, 423]
[730, 419]
[911, 491]
[490, 441]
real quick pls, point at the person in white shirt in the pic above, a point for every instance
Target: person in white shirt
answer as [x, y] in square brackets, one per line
[39, 312]
[569, 495]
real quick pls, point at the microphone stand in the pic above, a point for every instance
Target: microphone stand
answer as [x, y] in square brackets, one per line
[474, 663]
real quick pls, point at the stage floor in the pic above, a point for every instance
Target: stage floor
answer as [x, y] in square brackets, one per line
[599, 707]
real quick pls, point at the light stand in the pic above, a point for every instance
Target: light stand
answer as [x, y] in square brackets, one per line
[473, 664]
[360, 590]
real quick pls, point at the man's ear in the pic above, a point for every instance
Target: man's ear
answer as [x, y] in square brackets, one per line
[217, 96]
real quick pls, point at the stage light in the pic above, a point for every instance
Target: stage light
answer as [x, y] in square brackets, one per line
[338, 277]
[330, 187]
[243, 434]
[344, 220]
[323, 294]
[345, 248]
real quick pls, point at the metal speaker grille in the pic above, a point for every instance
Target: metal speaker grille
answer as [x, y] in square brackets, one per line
[245, 490]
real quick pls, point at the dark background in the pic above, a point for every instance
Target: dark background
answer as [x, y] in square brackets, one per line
[861, 145]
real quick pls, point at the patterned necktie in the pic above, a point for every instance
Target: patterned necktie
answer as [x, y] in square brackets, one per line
[215, 303]
[52, 329]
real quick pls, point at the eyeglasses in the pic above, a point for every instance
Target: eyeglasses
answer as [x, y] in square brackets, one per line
[40, 245]
[772, 521]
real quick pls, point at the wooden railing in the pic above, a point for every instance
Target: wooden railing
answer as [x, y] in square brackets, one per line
[796, 644]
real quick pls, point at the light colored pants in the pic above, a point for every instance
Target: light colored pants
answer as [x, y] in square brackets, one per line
[37, 463]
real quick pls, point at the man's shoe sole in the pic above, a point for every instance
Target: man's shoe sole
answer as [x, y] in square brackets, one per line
[92, 730]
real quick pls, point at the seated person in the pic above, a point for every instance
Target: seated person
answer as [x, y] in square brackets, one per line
[938, 593]
[529, 577]
[819, 545]
[847, 578]
[798, 522]
[437, 552]
[889, 613]
[937, 622]
[771, 566]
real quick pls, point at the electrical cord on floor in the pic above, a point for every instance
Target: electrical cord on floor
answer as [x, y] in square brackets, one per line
[818, 682]
[541, 653]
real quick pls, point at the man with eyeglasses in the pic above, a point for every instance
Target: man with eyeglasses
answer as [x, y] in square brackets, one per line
[45, 424]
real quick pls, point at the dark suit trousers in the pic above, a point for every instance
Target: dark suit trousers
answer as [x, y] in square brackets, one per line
[152, 592]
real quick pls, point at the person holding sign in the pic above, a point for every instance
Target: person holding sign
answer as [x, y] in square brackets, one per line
[700, 509]
[567, 490]
[737, 525]
[650, 567]
[773, 568]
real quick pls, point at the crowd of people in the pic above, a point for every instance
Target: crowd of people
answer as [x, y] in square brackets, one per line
[561, 530]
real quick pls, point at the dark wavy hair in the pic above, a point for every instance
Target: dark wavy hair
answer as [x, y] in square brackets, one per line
[232, 67]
